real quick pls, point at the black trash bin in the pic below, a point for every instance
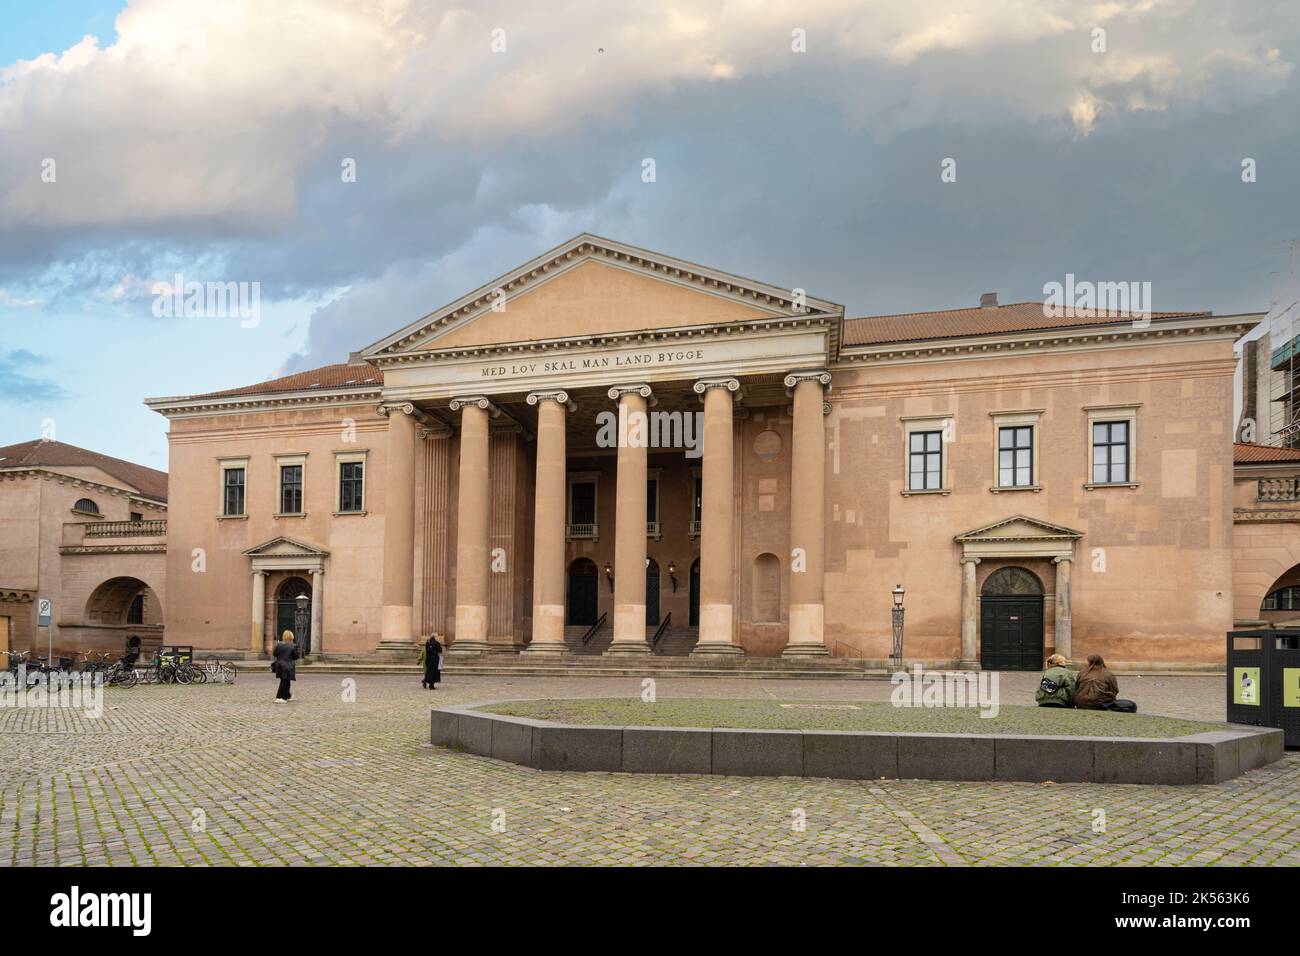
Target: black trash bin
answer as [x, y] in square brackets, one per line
[1264, 679]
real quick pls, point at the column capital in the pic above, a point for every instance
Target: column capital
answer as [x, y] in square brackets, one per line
[482, 401]
[434, 429]
[636, 388]
[970, 560]
[258, 571]
[385, 409]
[704, 384]
[1062, 557]
[317, 571]
[558, 396]
[819, 375]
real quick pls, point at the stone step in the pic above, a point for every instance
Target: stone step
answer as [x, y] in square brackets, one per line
[611, 667]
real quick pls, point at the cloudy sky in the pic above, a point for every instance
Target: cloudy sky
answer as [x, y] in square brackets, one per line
[800, 143]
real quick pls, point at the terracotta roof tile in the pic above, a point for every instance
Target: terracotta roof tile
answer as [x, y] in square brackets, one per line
[150, 482]
[959, 323]
[1245, 453]
[326, 377]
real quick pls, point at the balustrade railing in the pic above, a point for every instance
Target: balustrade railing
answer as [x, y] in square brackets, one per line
[1279, 489]
[153, 528]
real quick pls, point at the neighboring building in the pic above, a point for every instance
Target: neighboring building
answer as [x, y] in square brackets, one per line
[1266, 535]
[87, 532]
[1034, 483]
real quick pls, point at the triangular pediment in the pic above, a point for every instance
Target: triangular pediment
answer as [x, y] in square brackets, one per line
[591, 287]
[1019, 528]
[283, 547]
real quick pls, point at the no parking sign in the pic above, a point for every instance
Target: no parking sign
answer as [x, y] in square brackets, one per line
[44, 612]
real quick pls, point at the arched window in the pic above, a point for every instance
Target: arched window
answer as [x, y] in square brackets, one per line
[1283, 599]
[1011, 581]
[86, 505]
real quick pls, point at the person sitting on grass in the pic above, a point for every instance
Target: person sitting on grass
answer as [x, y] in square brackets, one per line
[1057, 687]
[1099, 690]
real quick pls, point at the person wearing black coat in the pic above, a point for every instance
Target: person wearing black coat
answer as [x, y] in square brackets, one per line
[286, 653]
[431, 658]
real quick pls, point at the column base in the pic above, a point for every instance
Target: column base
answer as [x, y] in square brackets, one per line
[545, 649]
[628, 649]
[968, 665]
[717, 649]
[468, 648]
[805, 650]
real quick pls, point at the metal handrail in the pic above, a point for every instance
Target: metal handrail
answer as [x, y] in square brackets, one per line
[654, 641]
[591, 631]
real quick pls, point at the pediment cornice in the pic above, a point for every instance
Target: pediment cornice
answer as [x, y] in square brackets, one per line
[423, 333]
[1019, 528]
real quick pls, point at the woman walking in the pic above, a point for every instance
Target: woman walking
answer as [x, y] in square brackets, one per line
[431, 658]
[286, 653]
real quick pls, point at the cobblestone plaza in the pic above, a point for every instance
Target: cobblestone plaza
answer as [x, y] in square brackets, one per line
[217, 775]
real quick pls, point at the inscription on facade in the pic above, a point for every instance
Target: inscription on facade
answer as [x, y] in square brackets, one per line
[591, 363]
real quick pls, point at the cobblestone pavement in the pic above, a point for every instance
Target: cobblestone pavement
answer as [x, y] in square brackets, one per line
[221, 775]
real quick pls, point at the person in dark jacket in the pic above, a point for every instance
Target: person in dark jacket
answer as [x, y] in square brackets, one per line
[431, 658]
[1097, 687]
[286, 653]
[132, 651]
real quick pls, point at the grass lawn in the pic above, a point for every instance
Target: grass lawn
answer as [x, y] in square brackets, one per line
[849, 715]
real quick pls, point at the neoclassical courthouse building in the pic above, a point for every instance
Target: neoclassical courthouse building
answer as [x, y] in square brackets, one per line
[486, 473]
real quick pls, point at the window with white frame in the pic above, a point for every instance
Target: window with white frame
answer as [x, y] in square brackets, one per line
[234, 480]
[351, 473]
[1112, 445]
[1015, 450]
[925, 453]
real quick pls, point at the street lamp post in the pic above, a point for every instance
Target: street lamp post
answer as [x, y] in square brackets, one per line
[897, 656]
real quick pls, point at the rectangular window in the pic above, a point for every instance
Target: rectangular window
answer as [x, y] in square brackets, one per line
[233, 492]
[1110, 453]
[925, 461]
[136, 516]
[1016, 457]
[652, 500]
[698, 508]
[582, 503]
[291, 489]
[352, 485]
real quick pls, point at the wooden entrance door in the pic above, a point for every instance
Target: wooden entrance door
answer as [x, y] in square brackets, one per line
[1011, 621]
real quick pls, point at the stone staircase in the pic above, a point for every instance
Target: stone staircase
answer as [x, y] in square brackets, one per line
[598, 644]
[676, 642]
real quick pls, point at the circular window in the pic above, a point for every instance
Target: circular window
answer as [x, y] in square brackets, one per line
[767, 445]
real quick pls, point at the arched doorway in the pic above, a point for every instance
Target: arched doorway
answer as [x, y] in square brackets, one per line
[286, 609]
[580, 609]
[1011, 621]
[651, 592]
[123, 600]
[695, 594]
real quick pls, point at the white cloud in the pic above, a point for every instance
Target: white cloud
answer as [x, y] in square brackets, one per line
[209, 114]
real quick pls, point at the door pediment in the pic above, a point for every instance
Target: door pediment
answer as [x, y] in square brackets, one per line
[286, 554]
[1019, 536]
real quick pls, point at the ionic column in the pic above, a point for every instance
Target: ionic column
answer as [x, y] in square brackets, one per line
[1063, 597]
[548, 524]
[317, 613]
[259, 612]
[969, 617]
[472, 525]
[807, 515]
[717, 528]
[399, 524]
[630, 521]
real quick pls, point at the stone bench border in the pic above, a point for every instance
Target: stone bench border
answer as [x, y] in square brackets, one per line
[1210, 757]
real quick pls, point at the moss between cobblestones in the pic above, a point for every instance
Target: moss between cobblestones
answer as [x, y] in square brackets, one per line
[849, 715]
